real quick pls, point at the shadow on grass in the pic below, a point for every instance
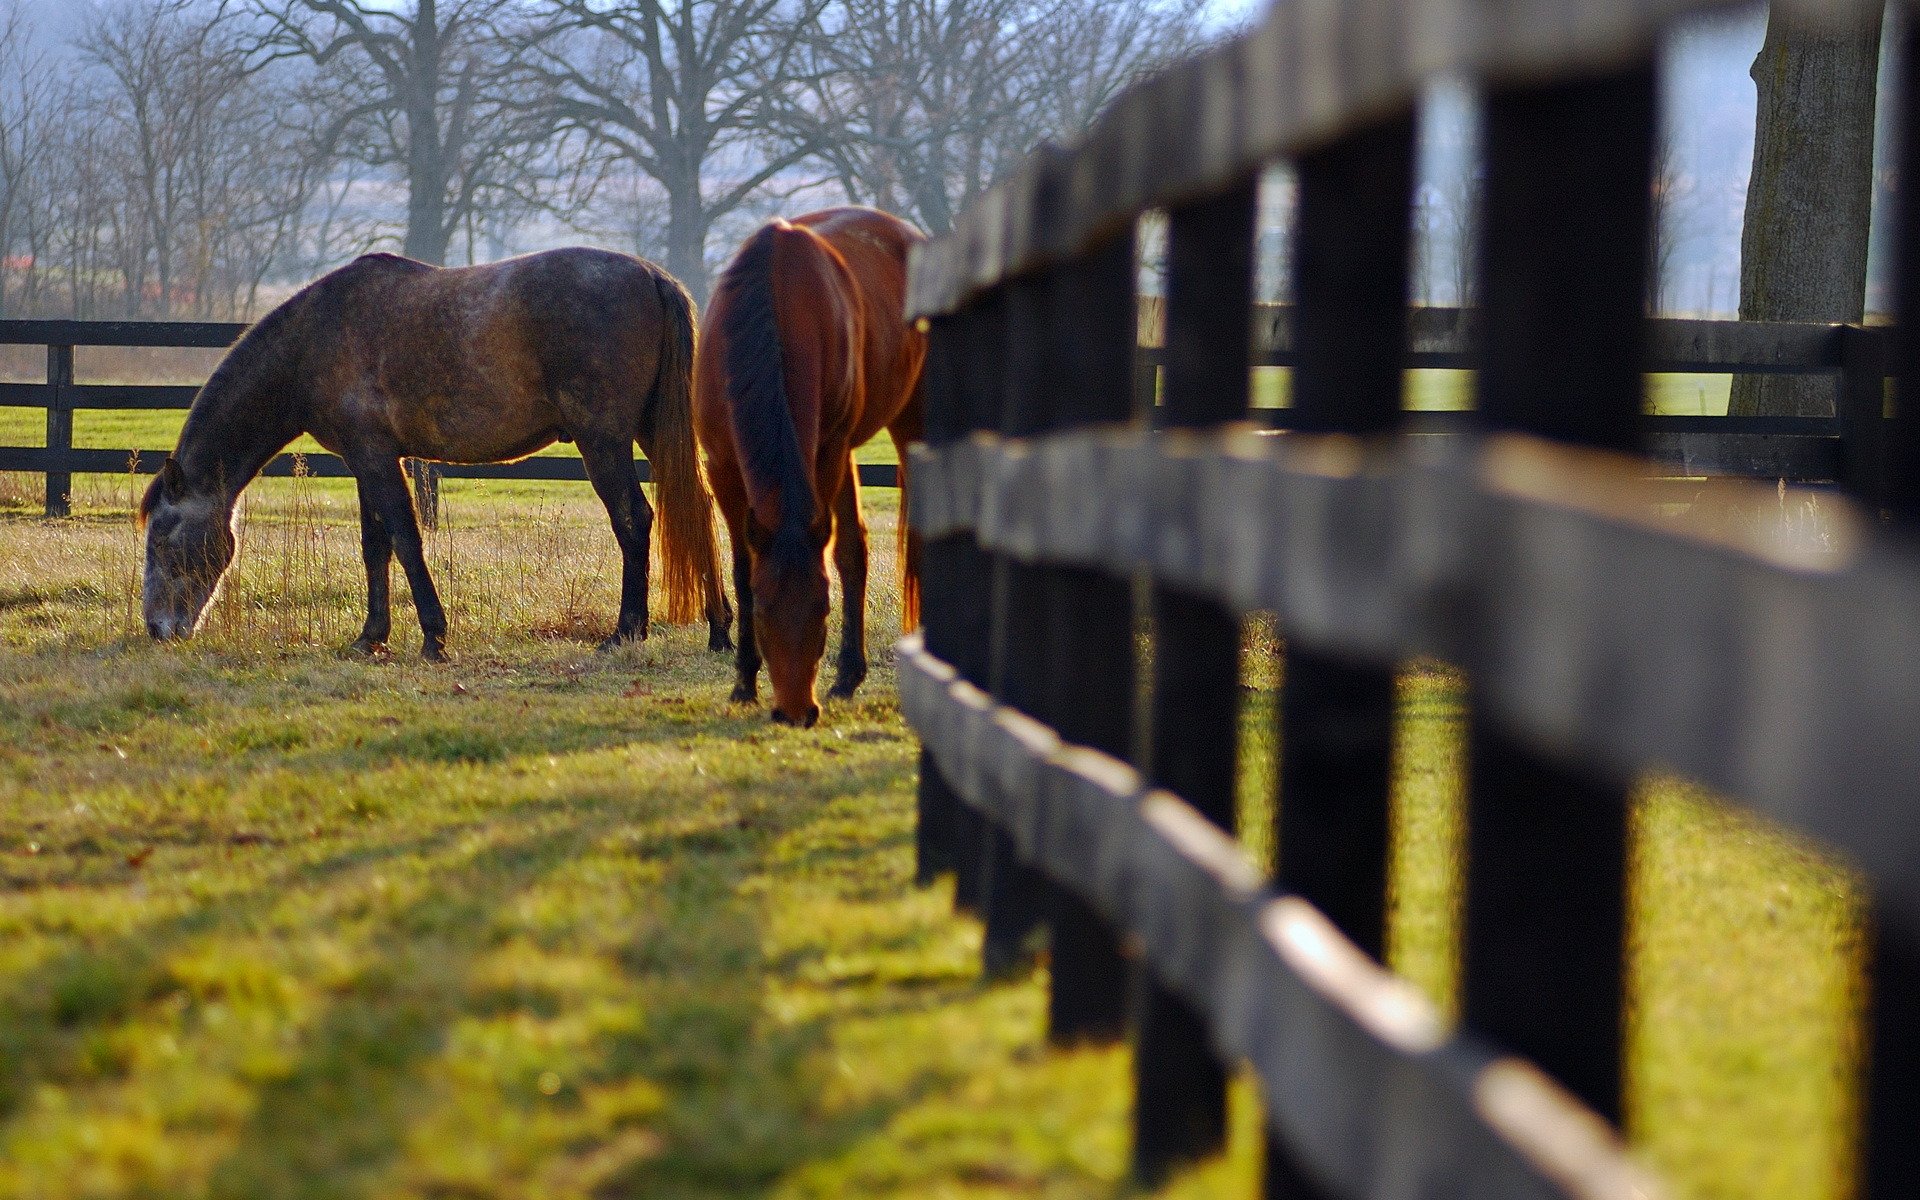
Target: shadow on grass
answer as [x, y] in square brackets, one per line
[740, 1089]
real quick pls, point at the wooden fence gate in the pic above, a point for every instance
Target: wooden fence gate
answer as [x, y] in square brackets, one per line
[1604, 634]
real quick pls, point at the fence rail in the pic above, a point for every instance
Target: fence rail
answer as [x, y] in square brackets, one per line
[1797, 449]
[1605, 632]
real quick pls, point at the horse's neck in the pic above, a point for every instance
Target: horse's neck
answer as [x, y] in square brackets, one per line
[232, 434]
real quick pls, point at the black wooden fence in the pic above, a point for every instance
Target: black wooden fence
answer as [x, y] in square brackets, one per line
[1604, 633]
[59, 461]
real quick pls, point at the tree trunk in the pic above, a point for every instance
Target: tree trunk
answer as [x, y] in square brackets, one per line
[427, 231]
[687, 240]
[1803, 252]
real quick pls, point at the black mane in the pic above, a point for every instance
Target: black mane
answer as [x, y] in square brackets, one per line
[763, 429]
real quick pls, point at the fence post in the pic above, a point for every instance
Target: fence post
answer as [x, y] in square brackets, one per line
[1336, 718]
[937, 824]
[1862, 405]
[426, 492]
[1180, 1084]
[59, 430]
[1563, 276]
[1016, 894]
[1089, 674]
[1890, 1095]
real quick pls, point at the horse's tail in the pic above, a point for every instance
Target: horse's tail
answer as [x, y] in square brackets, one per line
[688, 556]
[762, 415]
[909, 564]
[909, 541]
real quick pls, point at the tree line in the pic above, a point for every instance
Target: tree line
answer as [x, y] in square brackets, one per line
[177, 157]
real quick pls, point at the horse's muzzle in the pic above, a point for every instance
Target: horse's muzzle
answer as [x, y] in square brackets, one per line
[813, 717]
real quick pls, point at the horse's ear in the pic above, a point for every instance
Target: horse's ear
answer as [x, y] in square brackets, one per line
[172, 481]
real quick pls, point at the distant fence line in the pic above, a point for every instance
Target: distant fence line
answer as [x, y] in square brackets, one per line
[61, 397]
[1796, 449]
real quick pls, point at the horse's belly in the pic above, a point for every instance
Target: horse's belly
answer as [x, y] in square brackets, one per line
[473, 432]
[495, 450]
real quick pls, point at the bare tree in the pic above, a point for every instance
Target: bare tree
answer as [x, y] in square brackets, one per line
[28, 96]
[427, 87]
[919, 105]
[683, 92]
[205, 173]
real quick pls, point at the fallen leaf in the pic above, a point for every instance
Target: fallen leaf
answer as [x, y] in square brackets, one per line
[139, 857]
[636, 689]
[460, 689]
[249, 839]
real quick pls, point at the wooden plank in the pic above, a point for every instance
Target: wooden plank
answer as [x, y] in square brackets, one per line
[135, 396]
[1442, 549]
[59, 437]
[1889, 1092]
[212, 335]
[1087, 681]
[1180, 1084]
[1336, 716]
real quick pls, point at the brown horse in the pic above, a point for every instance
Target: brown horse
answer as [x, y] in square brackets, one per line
[804, 355]
[388, 358]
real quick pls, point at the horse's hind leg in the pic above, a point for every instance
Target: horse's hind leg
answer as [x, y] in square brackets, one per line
[850, 559]
[383, 484]
[376, 548]
[610, 468]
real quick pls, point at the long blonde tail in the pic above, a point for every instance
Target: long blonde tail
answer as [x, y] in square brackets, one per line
[688, 553]
[909, 562]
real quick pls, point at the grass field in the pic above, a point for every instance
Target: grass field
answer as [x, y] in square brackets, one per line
[275, 922]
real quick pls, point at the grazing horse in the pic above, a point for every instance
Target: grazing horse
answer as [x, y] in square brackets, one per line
[388, 358]
[804, 355]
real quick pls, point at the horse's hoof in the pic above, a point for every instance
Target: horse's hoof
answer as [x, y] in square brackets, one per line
[434, 653]
[609, 645]
[719, 641]
[368, 648]
[744, 693]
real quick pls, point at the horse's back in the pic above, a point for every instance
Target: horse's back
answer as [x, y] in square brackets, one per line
[488, 362]
[874, 245]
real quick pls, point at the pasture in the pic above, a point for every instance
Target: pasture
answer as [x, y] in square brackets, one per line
[279, 922]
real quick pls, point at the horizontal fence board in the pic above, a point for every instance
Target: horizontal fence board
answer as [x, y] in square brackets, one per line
[1358, 1072]
[1305, 74]
[1743, 644]
[209, 335]
[327, 466]
[130, 396]
[1443, 337]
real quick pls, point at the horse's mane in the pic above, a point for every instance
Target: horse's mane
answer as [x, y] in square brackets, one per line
[763, 429]
[263, 350]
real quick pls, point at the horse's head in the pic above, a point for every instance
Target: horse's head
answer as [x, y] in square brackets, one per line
[790, 622]
[190, 544]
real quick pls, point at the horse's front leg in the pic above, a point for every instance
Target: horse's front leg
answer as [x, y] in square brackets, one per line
[850, 559]
[376, 548]
[383, 484]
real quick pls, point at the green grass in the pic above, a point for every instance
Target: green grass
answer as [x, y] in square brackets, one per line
[279, 923]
